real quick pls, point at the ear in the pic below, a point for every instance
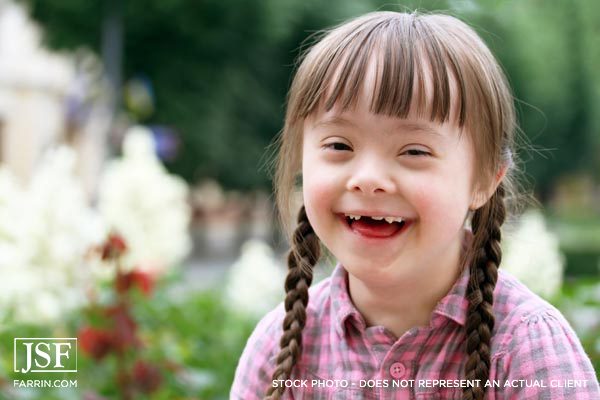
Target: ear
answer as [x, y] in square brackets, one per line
[481, 197]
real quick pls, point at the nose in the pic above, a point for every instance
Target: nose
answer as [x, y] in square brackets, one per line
[370, 177]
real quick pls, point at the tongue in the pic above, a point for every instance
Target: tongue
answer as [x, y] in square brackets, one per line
[369, 227]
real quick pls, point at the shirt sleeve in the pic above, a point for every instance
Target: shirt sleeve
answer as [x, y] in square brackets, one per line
[545, 360]
[257, 363]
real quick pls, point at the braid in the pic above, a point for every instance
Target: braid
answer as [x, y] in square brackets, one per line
[302, 257]
[487, 256]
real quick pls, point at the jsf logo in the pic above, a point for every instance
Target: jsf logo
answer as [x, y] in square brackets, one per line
[45, 355]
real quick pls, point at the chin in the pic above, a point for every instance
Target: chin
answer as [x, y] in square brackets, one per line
[368, 268]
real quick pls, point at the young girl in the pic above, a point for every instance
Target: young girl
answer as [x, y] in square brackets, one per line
[402, 128]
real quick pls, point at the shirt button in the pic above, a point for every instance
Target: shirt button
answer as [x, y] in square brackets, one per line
[397, 370]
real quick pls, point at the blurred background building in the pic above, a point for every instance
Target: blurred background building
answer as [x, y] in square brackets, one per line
[45, 99]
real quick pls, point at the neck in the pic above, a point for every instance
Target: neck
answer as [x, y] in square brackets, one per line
[411, 305]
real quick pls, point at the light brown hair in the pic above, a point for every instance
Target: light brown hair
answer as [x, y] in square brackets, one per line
[410, 50]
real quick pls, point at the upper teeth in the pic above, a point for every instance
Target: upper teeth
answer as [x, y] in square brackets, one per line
[388, 219]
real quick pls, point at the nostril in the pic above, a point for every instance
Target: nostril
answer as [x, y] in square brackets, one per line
[371, 185]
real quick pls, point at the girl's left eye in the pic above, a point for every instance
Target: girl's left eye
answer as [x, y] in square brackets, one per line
[338, 146]
[417, 153]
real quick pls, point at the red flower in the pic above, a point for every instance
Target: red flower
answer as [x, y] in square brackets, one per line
[95, 342]
[146, 376]
[143, 280]
[113, 247]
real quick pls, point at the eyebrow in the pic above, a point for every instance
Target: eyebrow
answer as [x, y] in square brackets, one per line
[334, 121]
[404, 125]
[417, 127]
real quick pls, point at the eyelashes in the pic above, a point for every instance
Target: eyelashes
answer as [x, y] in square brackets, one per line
[337, 146]
[418, 153]
[340, 147]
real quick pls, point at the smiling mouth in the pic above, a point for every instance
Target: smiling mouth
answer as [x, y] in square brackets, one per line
[375, 227]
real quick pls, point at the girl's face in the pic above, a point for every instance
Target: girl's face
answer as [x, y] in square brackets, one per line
[360, 164]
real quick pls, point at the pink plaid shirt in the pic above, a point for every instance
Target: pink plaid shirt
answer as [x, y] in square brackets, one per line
[535, 352]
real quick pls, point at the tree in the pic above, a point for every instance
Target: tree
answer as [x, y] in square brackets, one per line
[221, 70]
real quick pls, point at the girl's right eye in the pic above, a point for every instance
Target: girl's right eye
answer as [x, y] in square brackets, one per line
[338, 146]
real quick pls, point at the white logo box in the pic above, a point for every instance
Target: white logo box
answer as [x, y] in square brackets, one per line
[48, 342]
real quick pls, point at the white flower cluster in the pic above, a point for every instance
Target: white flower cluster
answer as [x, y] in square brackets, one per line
[255, 282]
[45, 230]
[532, 254]
[146, 205]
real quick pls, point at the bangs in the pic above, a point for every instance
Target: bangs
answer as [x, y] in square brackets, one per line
[412, 69]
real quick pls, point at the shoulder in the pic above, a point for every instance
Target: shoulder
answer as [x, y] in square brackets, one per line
[515, 305]
[257, 363]
[534, 341]
[519, 312]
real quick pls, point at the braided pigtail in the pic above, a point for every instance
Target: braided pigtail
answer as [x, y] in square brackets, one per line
[302, 257]
[486, 224]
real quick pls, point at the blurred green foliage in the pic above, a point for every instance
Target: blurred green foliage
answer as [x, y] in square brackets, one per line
[579, 301]
[221, 70]
[580, 243]
[193, 338]
[200, 335]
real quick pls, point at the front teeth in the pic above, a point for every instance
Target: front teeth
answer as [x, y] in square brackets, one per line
[389, 220]
[393, 219]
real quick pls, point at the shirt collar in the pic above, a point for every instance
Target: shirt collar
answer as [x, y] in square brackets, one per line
[453, 305]
[341, 304]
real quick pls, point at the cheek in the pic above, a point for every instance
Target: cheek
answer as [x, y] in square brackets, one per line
[317, 194]
[440, 200]
[425, 200]
[317, 202]
[319, 184]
